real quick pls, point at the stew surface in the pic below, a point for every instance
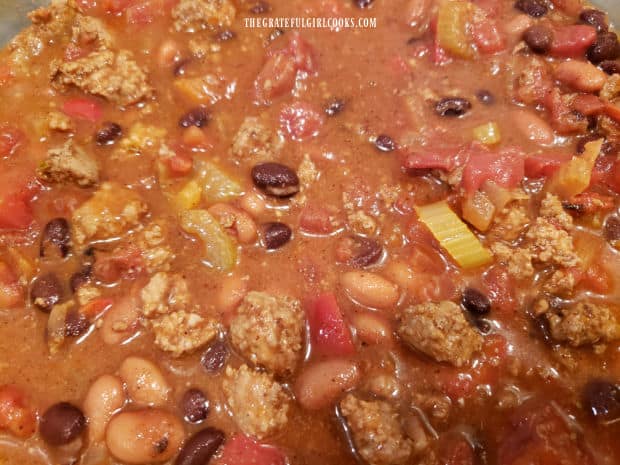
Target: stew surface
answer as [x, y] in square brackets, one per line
[231, 244]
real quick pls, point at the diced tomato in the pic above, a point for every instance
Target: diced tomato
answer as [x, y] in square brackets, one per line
[563, 118]
[588, 104]
[276, 78]
[300, 121]
[613, 111]
[329, 333]
[539, 434]
[11, 292]
[242, 450]
[506, 169]
[10, 140]
[95, 308]
[83, 108]
[540, 166]
[486, 35]
[16, 414]
[123, 262]
[607, 172]
[303, 53]
[16, 192]
[180, 164]
[440, 56]
[572, 41]
[499, 286]
[321, 220]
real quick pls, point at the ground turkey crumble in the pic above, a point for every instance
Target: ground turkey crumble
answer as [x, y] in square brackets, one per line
[163, 294]
[196, 15]
[440, 331]
[182, 332]
[69, 164]
[269, 331]
[254, 140]
[583, 324]
[110, 212]
[258, 403]
[376, 431]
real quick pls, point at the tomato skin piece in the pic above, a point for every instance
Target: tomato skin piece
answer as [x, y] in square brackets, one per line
[16, 414]
[83, 108]
[242, 450]
[17, 190]
[487, 36]
[572, 41]
[541, 166]
[505, 169]
[276, 78]
[329, 333]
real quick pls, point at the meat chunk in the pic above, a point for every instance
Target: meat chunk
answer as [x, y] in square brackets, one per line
[156, 253]
[518, 260]
[183, 332]
[551, 209]
[141, 139]
[115, 76]
[268, 331]
[441, 331]
[60, 122]
[196, 15]
[69, 164]
[510, 223]
[377, 433]
[90, 31]
[164, 293]
[584, 324]
[110, 212]
[551, 245]
[258, 403]
[254, 140]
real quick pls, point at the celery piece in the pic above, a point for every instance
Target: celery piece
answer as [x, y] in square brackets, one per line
[220, 250]
[454, 235]
[217, 185]
[574, 177]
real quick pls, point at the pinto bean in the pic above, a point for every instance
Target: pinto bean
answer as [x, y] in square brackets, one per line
[231, 292]
[515, 27]
[580, 75]
[400, 273]
[320, 384]
[146, 384]
[371, 328]
[144, 436]
[253, 204]
[533, 127]
[236, 219]
[370, 289]
[16, 414]
[120, 322]
[104, 398]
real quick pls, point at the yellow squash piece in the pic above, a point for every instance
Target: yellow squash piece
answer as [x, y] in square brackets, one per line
[188, 197]
[454, 235]
[453, 34]
[220, 250]
[488, 134]
[574, 177]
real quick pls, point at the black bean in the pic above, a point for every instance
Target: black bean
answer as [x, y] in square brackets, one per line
[273, 35]
[366, 251]
[475, 301]
[46, 291]
[108, 133]
[601, 399]
[225, 35]
[275, 179]
[610, 66]
[79, 278]
[198, 117]
[385, 143]
[76, 324]
[612, 228]
[452, 106]
[595, 18]
[215, 356]
[538, 38]
[485, 96]
[363, 3]
[276, 235]
[200, 448]
[260, 8]
[534, 8]
[61, 424]
[195, 406]
[56, 238]
[483, 325]
[606, 47]
[334, 107]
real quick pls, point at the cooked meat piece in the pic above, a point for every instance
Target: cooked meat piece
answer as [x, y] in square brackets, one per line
[510, 223]
[376, 431]
[116, 77]
[584, 324]
[69, 164]
[258, 403]
[551, 209]
[196, 15]
[518, 260]
[254, 140]
[551, 245]
[441, 331]
[88, 30]
[60, 122]
[156, 252]
[164, 293]
[269, 331]
[110, 212]
[183, 332]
